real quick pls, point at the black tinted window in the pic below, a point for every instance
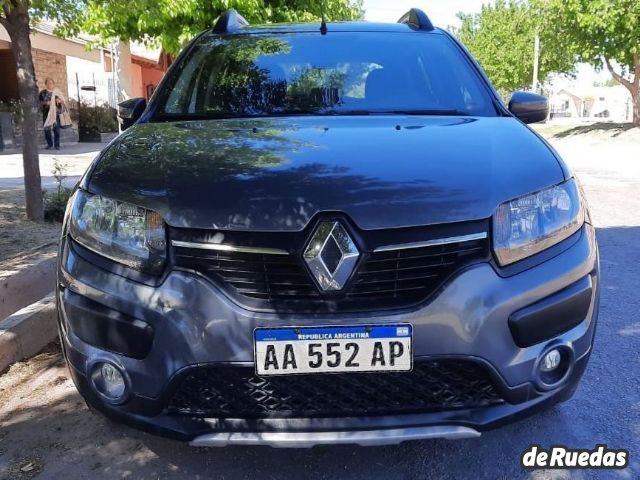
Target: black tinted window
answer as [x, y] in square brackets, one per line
[338, 73]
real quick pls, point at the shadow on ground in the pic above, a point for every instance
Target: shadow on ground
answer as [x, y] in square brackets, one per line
[615, 129]
[45, 426]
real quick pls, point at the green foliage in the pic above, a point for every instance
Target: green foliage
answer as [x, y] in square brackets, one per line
[600, 32]
[97, 119]
[61, 12]
[501, 37]
[55, 202]
[171, 23]
[596, 30]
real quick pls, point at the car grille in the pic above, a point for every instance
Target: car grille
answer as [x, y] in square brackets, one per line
[236, 392]
[411, 271]
[251, 275]
[382, 279]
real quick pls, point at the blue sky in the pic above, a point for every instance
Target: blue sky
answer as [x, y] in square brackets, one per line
[441, 12]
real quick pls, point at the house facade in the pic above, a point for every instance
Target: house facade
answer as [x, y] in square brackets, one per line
[95, 76]
[601, 104]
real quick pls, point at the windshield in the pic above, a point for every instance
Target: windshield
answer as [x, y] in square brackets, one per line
[313, 74]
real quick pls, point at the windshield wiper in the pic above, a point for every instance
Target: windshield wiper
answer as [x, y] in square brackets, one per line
[232, 116]
[346, 112]
[303, 113]
[435, 112]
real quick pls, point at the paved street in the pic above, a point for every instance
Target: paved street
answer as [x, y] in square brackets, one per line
[45, 428]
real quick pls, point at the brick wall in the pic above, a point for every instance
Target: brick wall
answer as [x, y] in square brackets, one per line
[52, 65]
[46, 65]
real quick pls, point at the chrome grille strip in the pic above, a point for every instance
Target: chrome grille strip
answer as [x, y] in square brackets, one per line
[275, 251]
[228, 248]
[434, 242]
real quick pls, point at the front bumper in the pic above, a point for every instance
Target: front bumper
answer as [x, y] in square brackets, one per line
[193, 324]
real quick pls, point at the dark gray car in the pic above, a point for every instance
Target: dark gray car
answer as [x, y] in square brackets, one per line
[336, 236]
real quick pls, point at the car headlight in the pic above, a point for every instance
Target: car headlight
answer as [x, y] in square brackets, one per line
[120, 231]
[527, 225]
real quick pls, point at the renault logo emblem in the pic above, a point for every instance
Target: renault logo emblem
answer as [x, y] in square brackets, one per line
[331, 255]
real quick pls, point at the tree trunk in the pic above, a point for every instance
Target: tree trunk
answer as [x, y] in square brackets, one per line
[632, 85]
[17, 25]
[635, 92]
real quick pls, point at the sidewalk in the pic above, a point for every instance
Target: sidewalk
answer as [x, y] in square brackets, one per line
[77, 157]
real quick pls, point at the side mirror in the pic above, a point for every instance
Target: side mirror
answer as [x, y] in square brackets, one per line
[529, 107]
[130, 111]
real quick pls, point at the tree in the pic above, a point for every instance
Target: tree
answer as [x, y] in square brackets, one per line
[171, 23]
[501, 37]
[602, 33]
[16, 17]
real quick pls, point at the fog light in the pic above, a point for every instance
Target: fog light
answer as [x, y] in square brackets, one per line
[109, 381]
[551, 361]
[553, 367]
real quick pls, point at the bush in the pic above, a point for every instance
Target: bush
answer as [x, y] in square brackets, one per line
[55, 204]
[95, 120]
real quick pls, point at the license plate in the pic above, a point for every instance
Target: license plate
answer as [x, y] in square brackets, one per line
[362, 348]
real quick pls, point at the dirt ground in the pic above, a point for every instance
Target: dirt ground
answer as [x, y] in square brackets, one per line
[17, 385]
[17, 234]
[42, 417]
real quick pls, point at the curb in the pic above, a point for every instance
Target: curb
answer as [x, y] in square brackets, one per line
[26, 279]
[27, 331]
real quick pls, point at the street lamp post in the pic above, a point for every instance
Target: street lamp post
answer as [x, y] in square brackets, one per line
[536, 60]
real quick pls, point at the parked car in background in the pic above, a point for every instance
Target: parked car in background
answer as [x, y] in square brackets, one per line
[327, 235]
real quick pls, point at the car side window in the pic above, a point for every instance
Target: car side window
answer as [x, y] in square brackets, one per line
[178, 99]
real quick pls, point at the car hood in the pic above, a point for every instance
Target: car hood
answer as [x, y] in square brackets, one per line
[276, 174]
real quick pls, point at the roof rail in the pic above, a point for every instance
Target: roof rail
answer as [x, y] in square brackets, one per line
[417, 19]
[229, 22]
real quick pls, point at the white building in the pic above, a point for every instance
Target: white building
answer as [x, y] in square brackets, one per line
[600, 104]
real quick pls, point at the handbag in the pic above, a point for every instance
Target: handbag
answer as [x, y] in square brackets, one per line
[65, 118]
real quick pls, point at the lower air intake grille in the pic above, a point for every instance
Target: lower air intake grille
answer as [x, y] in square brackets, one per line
[236, 392]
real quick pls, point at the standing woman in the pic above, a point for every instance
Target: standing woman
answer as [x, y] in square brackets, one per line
[52, 102]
